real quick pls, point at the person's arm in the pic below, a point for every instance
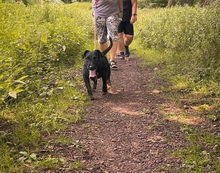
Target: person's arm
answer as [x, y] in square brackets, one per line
[120, 6]
[134, 11]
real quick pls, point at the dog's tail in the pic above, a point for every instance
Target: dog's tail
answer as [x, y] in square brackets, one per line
[109, 47]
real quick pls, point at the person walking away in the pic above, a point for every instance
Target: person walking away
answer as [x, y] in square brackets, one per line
[126, 28]
[106, 15]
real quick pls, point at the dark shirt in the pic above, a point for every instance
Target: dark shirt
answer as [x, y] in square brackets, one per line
[127, 10]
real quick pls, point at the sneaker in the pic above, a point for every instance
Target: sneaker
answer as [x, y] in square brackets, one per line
[126, 51]
[121, 56]
[113, 64]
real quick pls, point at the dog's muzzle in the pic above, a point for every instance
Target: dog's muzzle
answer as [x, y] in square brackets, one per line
[92, 74]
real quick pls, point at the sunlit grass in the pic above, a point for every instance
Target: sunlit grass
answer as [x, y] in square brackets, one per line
[202, 152]
[191, 103]
[53, 96]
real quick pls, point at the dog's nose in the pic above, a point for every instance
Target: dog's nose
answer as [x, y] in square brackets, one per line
[91, 67]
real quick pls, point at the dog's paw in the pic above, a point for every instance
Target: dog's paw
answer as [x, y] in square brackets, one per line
[104, 93]
[91, 97]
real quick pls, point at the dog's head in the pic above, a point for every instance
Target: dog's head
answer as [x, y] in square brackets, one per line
[92, 61]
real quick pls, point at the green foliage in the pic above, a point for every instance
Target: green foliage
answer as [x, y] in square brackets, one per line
[201, 155]
[36, 125]
[182, 45]
[36, 42]
[40, 56]
[39, 96]
[151, 3]
[189, 36]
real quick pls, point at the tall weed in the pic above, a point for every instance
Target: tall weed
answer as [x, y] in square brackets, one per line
[35, 41]
[40, 54]
[189, 35]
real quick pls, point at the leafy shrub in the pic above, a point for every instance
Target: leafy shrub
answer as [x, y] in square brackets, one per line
[189, 35]
[35, 42]
[40, 54]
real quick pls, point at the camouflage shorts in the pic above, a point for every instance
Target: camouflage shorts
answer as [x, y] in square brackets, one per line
[107, 26]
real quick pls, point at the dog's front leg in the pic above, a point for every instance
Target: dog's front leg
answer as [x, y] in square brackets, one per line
[95, 83]
[104, 85]
[88, 86]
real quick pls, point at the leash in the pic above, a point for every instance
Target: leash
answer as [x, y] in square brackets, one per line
[95, 26]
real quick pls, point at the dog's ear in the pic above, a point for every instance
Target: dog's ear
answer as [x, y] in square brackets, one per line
[87, 51]
[98, 52]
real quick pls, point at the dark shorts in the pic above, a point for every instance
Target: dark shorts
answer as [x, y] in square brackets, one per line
[126, 27]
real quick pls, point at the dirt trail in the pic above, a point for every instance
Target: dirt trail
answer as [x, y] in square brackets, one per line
[125, 132]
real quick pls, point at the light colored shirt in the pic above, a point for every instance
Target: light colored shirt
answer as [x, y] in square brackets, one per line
[105, 8]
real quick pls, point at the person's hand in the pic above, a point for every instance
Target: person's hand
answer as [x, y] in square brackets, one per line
[121, 14]
[95, 1]
[133, 19]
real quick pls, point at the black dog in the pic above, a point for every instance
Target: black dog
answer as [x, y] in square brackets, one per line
[96, 65]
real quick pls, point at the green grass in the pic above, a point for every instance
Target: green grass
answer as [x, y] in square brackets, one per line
[195, 108]
[189, 41]
[202, 153]
[39, 124]
[193, 97]
[42, 94]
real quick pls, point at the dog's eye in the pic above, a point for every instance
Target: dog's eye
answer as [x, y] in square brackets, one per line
[95, 58]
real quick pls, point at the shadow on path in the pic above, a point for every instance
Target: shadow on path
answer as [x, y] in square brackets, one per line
[125, 132]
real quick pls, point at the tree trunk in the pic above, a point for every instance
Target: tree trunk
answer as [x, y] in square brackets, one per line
[186, 2]
[170, 3]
